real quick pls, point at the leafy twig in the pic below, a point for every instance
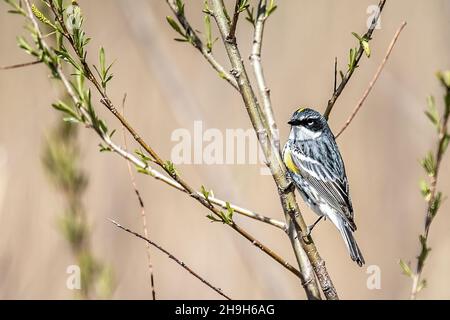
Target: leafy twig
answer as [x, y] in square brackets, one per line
[355, 56]
[177, 7]
[171, 256]
[374, 79]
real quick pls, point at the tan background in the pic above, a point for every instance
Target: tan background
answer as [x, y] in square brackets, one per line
[169, 86]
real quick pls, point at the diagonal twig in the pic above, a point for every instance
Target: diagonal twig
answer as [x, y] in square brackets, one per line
[374, 79]
[171, 256]
[21, 65]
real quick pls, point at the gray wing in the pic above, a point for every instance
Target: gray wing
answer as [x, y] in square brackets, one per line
[329, 181]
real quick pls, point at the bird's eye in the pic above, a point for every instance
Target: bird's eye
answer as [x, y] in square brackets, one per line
[309, 123]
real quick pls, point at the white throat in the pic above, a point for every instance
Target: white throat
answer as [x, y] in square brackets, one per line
[301, 133]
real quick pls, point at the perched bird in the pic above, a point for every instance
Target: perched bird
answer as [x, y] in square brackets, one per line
[317, 170]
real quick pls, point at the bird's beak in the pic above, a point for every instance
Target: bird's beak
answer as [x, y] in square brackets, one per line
[292, 122]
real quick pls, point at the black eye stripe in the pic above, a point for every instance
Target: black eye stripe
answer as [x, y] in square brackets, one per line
[311, 124]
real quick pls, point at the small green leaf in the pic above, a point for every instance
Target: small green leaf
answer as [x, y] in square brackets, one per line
[61, 106]
[208, 33]
[142, 170]
[230, 211]
[445, 142]
[213, 218]
[423, 252]
[352, 59]
[175, 26]
[428, 163]
[434, 207]
[143, 156]
[250, 15]
[104, 148]
[421, 285]
[366, 47]
[432, 112]
[357, 36]
[406, 269]
[169, 166]
[40, 16]
[243, 5]
[180, 7]
[425, 189]
[444, 77]
[102, 60]
[271, 8]
[205, 192]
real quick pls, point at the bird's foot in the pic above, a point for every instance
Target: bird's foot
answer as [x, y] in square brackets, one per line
[310, 228]
[289, 188]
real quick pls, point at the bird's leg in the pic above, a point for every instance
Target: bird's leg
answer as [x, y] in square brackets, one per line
[311, 227]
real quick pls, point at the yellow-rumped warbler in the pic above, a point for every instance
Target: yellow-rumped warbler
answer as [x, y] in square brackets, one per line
[316, 168]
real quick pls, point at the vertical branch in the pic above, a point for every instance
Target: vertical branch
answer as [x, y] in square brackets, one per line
[255, 59]
[287, 197]
[141, 205]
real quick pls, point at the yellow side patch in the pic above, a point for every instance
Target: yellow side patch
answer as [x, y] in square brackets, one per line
[287, 158]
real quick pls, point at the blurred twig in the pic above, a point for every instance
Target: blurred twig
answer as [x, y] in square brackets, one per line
[141, 205]
[367, 37]
[20, 65]
[60, 159]
[374, 79]
[171, 256]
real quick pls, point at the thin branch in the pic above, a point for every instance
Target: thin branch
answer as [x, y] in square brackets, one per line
[335, 74]
[200, 46]
[374, 79]
[292, 213]
[107, 139]
[359, 54]
[255, 59]
[141, 204]
[171, 256]
[21, 65]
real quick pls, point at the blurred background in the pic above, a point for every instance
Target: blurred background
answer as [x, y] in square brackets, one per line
[169, 86]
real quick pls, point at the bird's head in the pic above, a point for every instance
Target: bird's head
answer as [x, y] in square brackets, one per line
[307, 124]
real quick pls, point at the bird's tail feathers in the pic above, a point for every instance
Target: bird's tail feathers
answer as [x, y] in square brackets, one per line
[349, 239]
